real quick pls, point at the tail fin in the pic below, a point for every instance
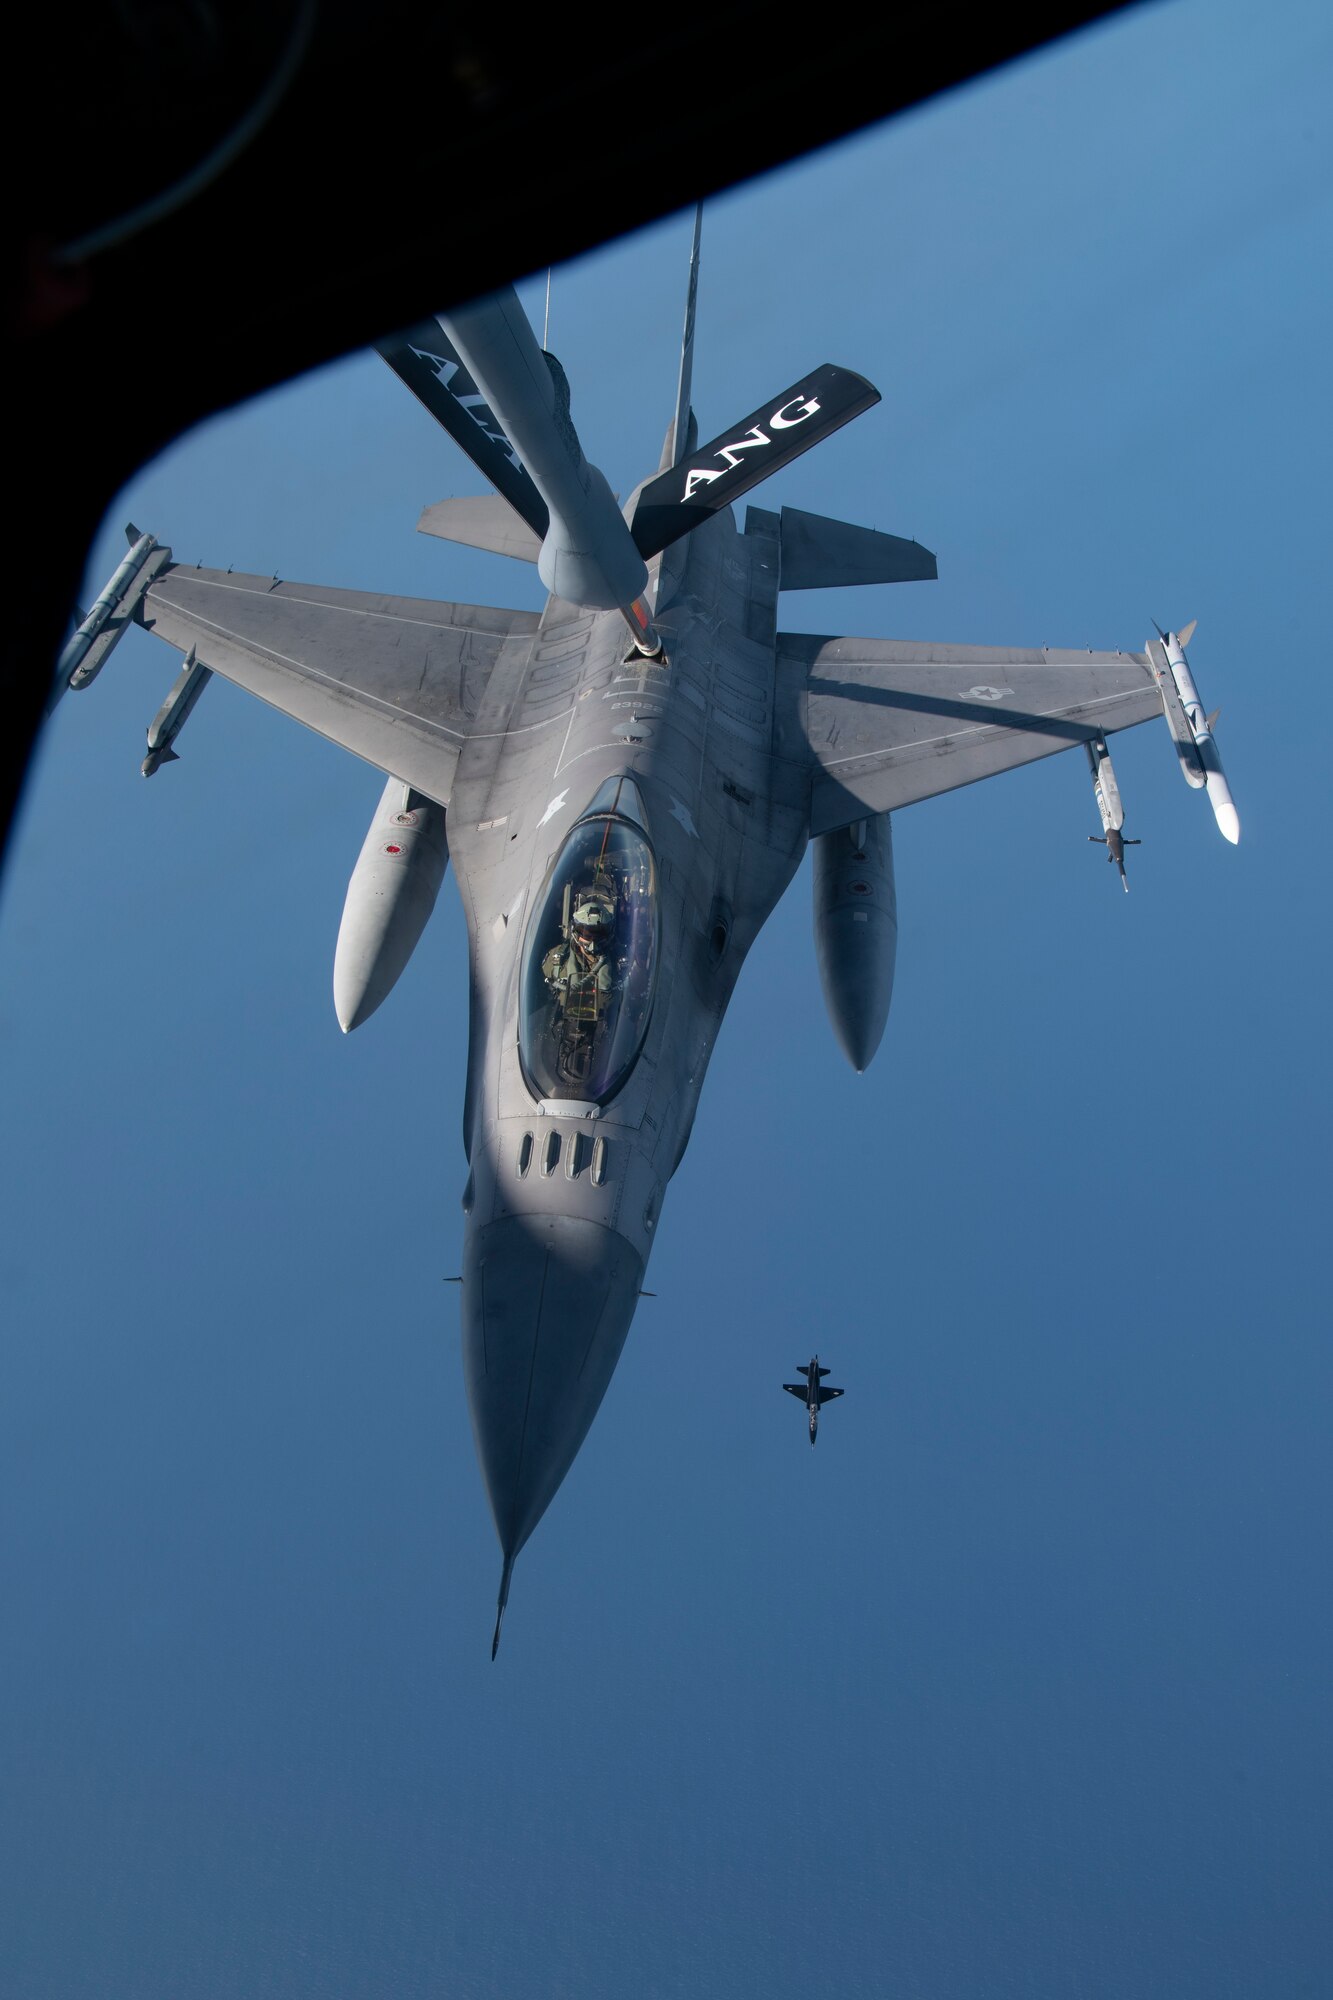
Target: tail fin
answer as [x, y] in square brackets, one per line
[680, 429]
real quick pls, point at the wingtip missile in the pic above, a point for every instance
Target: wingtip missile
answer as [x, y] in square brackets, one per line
[1214, 777]
[111, 613]
[1224, 811]
[1200, 761]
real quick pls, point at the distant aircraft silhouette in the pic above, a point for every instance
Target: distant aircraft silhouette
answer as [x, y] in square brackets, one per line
[812, 1392]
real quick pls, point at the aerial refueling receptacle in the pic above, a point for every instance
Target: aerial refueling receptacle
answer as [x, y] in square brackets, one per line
[389, 899]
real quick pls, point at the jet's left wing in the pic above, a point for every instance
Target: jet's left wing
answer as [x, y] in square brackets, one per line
[396, 680]
[795, 1389]
[890, 721]
[827, 1395]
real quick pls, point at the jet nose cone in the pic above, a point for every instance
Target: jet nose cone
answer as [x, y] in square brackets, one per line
[547, 1302]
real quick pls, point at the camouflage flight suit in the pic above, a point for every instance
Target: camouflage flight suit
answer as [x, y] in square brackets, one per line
[580, 976]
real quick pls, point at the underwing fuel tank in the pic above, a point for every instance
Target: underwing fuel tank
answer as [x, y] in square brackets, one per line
[856, 932]
[391, 894]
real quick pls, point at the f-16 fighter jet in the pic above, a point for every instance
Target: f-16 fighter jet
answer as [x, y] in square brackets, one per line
[626, 782]
[812, 1392]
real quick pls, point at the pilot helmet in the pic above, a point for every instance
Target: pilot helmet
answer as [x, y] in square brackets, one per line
[592, 918]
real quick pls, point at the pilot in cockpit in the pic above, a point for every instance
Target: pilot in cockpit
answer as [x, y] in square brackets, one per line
[578, 968]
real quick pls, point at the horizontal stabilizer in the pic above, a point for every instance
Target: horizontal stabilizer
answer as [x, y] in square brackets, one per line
[821, 554]
[484, 521]
[428, 362]
[710, 477]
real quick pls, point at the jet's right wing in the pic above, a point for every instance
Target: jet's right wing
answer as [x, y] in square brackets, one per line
[795, 1389]
[891, 721]
[396, 680]
[827, 1395]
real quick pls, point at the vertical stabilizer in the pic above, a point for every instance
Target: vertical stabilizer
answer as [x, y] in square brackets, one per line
[505, 1575]
[680, 442]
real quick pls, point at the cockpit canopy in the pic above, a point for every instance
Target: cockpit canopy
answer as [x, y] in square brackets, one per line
[590, 960]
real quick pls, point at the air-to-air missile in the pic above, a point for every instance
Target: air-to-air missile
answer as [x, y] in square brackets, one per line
[1109, 806]
[856, 932]
[174, 713]
[100, 628]
[389, 898]
[1196, 746]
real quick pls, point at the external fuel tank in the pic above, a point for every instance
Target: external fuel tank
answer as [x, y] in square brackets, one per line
[856, 932]
[389, 898]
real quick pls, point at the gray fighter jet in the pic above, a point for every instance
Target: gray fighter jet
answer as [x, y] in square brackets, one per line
[812, 1392]
[626, 783]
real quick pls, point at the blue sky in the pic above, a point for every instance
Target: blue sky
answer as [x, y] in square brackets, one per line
[1016, 1686]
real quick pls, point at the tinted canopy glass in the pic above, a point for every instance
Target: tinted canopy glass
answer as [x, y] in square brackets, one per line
[590, 964]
